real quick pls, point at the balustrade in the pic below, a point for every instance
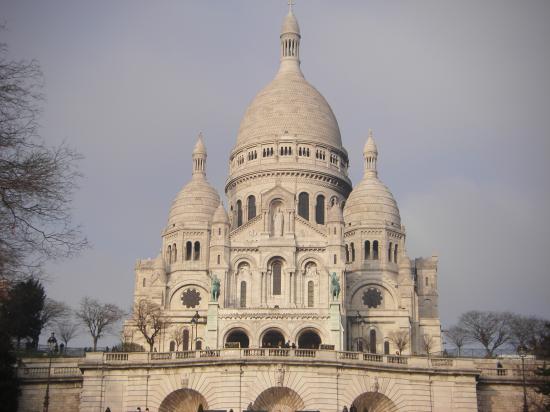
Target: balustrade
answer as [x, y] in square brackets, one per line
[305, 353]
[371, 357]
[397, 359]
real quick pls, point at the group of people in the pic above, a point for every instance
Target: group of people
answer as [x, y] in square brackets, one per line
[280, 345]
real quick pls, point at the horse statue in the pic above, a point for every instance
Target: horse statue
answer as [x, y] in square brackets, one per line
[215, 291]
[334, 286]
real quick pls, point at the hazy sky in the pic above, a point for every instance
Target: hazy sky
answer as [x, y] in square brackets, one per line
[457, 92]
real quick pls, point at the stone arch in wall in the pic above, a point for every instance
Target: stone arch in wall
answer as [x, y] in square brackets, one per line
[308, 338]
[238, 335]
[373, 402]
[278, 399]
[273, 337]
[183, 400]
[358, 300]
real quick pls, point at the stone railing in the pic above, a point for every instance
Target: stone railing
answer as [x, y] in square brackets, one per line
[30, 372]
[483, 367]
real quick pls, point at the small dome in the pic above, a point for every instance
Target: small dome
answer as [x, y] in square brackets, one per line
[195, 203]
[220, 215]
[290, 24]
[371, 201]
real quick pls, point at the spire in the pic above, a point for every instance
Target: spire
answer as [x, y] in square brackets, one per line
[290, 41]
[199, 158]
[370, 154]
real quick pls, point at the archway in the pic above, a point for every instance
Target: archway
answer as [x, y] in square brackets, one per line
[373, 402]
[309, 339]
[273, 338]
[183, 400]
[278, 399]
[238, 336]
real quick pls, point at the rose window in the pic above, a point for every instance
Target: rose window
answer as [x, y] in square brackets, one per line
[190, 298]
[372, 298]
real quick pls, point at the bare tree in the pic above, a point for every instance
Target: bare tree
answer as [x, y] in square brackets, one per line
[177, 336]
[400, 339]
[67, 331]
[37, 182]
[98, 318]
[525, 331]
[458, 337]
[54, 312]
[490, 329]
[428, 343]
[149, 320]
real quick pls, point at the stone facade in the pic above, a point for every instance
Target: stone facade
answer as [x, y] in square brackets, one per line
[274, 379]
[301, 257]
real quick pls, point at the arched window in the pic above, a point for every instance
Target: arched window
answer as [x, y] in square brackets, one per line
[172, 346]
[375, 250]
[276, 268]
[389, 252]
[243, 294]
[185, 340]
[395, 253]
[198, 345]
[335, 259]
[310, 289]
[426, 281]
[239, 213]
[219, 259]
[251, 207]
[169, 254]
[320, 210]
[174, 253]
[367, 249]
[386, 348]
[352, 247]
[347, 254]
[197, 254]
[219, 231]
[188, 250]
[372, 341]
[303, 205]
[144, 282]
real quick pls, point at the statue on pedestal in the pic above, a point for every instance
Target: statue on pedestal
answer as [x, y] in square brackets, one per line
[215, 291]
[334, 286]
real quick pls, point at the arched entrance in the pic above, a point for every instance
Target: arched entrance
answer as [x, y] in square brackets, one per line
[273, 338]
[183, 400]
[279, 399]
[238, 336]
[373, 402]
[309, 339]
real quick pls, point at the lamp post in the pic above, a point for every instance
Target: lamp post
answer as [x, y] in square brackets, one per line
[522, 353]
[195, 321]
[52, 343]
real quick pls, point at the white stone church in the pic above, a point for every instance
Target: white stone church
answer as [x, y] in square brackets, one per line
[298, 257]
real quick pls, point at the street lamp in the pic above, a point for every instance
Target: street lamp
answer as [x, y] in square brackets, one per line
[52, 344]
[522, 353]
[195, 321]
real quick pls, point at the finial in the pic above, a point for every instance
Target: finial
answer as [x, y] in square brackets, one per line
[371, 135]
[290, 4]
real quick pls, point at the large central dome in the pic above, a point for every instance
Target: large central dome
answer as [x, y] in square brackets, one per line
[289, 105]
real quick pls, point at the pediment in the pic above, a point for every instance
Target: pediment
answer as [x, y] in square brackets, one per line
[249, 232]
[278, 192]
[304, 229]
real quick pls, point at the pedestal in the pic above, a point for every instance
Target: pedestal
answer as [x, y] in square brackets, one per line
[212, 325]
[336, 328]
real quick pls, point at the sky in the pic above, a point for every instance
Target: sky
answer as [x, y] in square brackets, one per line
[457, 93]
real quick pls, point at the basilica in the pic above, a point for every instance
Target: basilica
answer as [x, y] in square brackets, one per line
[296, 256]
